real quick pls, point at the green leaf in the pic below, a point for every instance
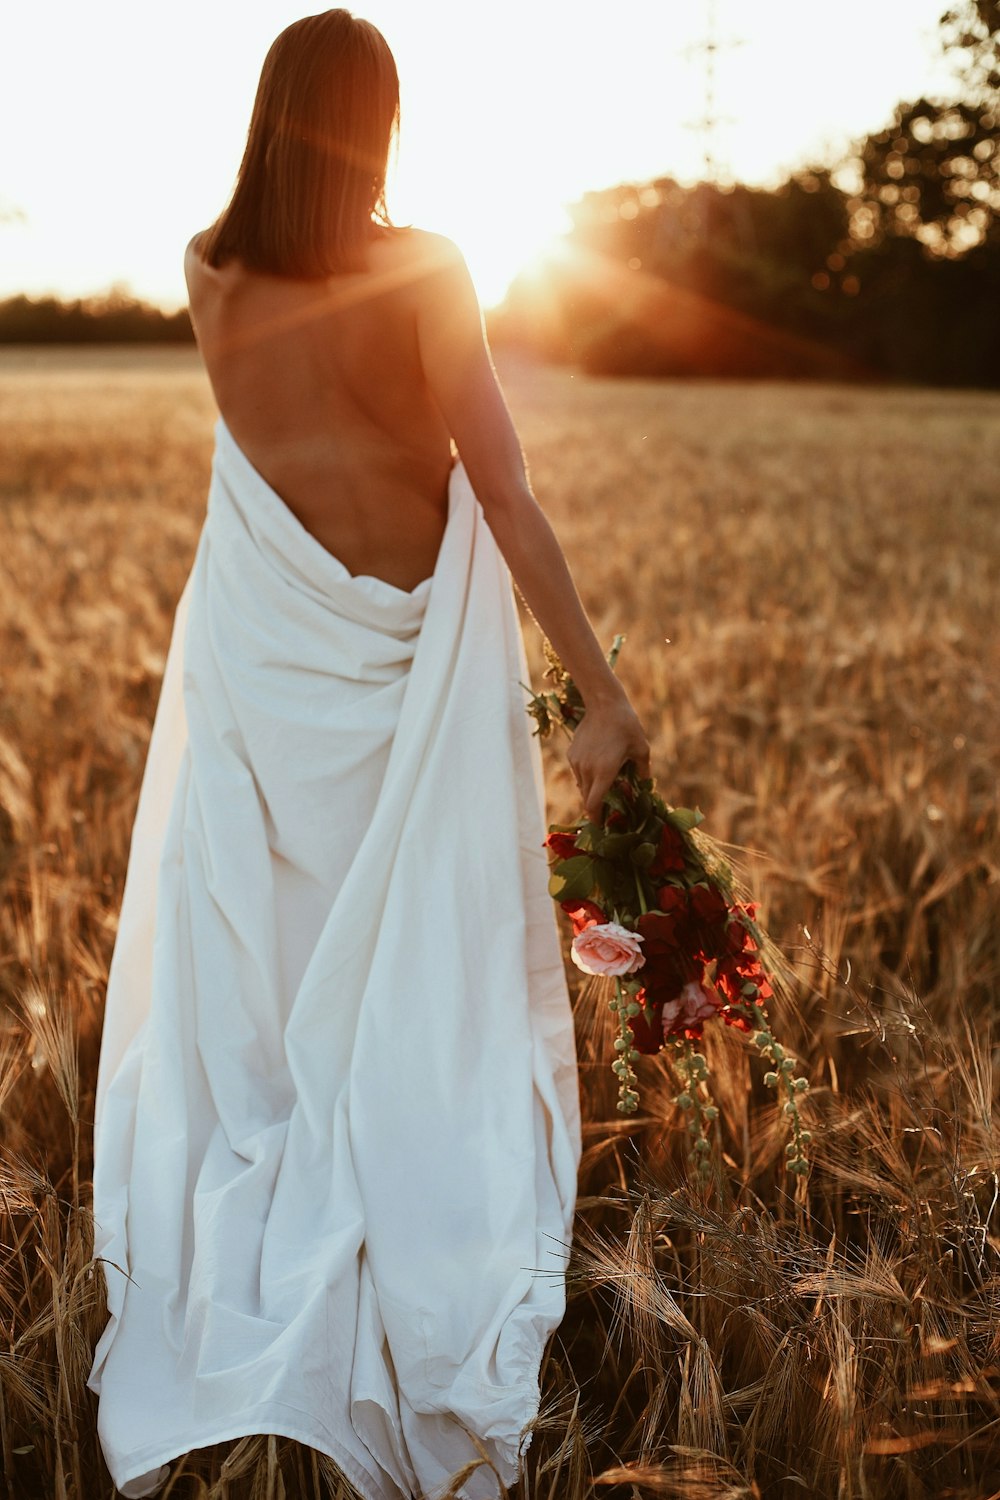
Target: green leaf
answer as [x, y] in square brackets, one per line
[658, 807]
[615, 801]
[686, 818]
[615, 845]
[644, 855]
[573, 879]
[611, 881]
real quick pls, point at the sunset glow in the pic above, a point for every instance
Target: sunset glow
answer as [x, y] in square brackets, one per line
[127, 133]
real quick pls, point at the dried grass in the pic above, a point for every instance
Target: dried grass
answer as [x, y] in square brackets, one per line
[824, 563]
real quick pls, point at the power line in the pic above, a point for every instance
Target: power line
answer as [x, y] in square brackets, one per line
[709, 47]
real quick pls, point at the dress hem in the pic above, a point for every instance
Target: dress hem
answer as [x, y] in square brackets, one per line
[367, 1485]
[145, 1460]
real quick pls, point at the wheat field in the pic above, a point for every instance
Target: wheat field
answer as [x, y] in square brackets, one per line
[807, 576]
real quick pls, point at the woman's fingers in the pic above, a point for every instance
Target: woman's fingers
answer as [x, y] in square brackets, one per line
[593, 790]
[595, 809]
[585, 786]
[604, 742]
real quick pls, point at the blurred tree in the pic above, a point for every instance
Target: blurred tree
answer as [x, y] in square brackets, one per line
[887, 264]
[114, 318]
[934, 172]
[971, 35]
[710, 279]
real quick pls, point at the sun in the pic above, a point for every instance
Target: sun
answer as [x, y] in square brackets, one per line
[501, 228]
[495, 258]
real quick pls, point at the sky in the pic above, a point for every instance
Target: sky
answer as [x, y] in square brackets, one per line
[122, 122]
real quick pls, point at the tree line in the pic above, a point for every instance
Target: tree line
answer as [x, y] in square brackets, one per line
[113, 318]
[886, 266]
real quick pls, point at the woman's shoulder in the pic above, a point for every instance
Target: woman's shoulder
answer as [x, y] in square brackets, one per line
[422, 248]
[195, 268]
[192, 250]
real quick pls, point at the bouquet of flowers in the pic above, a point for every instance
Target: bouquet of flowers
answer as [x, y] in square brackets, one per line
[655, 908]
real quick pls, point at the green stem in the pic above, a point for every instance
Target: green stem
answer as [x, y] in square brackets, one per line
[783, 1078]
[639, 892]
[696, 1101]
[628, 1098]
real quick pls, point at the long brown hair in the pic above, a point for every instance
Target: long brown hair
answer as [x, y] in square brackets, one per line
[312, 180]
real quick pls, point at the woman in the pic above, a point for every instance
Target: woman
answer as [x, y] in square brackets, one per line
[337, 1121]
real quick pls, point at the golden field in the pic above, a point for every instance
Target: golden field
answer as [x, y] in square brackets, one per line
[809, 580]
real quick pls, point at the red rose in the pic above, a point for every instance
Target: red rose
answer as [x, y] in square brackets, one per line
[647, 1037]
[672, 928]
[709, 905]
[671, 898]
[563, 845]
[666, 927]
[737, 1018]
[661, 931]
[670, 851]
[738, 938]
[732, 973]
[582, 914]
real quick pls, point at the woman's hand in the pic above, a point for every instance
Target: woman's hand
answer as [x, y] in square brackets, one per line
[609, 735]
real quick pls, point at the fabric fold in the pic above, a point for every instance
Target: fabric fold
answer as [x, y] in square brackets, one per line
[337, 1125]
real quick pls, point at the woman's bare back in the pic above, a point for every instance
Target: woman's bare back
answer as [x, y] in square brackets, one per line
[321, 384]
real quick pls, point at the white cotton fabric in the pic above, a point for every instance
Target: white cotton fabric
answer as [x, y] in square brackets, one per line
[337, 1123]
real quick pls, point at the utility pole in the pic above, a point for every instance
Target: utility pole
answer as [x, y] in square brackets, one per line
[709, 47]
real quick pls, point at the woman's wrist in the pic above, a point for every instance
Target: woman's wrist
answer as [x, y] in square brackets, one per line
[604, 691]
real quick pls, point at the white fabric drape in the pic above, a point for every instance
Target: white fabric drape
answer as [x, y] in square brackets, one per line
[337, 1123]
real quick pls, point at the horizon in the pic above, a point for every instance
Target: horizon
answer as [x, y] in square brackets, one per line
[106, 207]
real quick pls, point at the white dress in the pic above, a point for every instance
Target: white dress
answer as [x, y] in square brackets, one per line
[337, 1124]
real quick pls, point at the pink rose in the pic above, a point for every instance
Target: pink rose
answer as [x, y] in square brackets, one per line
[695, 1003]
[607, 948]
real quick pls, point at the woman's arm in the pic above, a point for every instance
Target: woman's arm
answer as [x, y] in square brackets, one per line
[461, 377]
